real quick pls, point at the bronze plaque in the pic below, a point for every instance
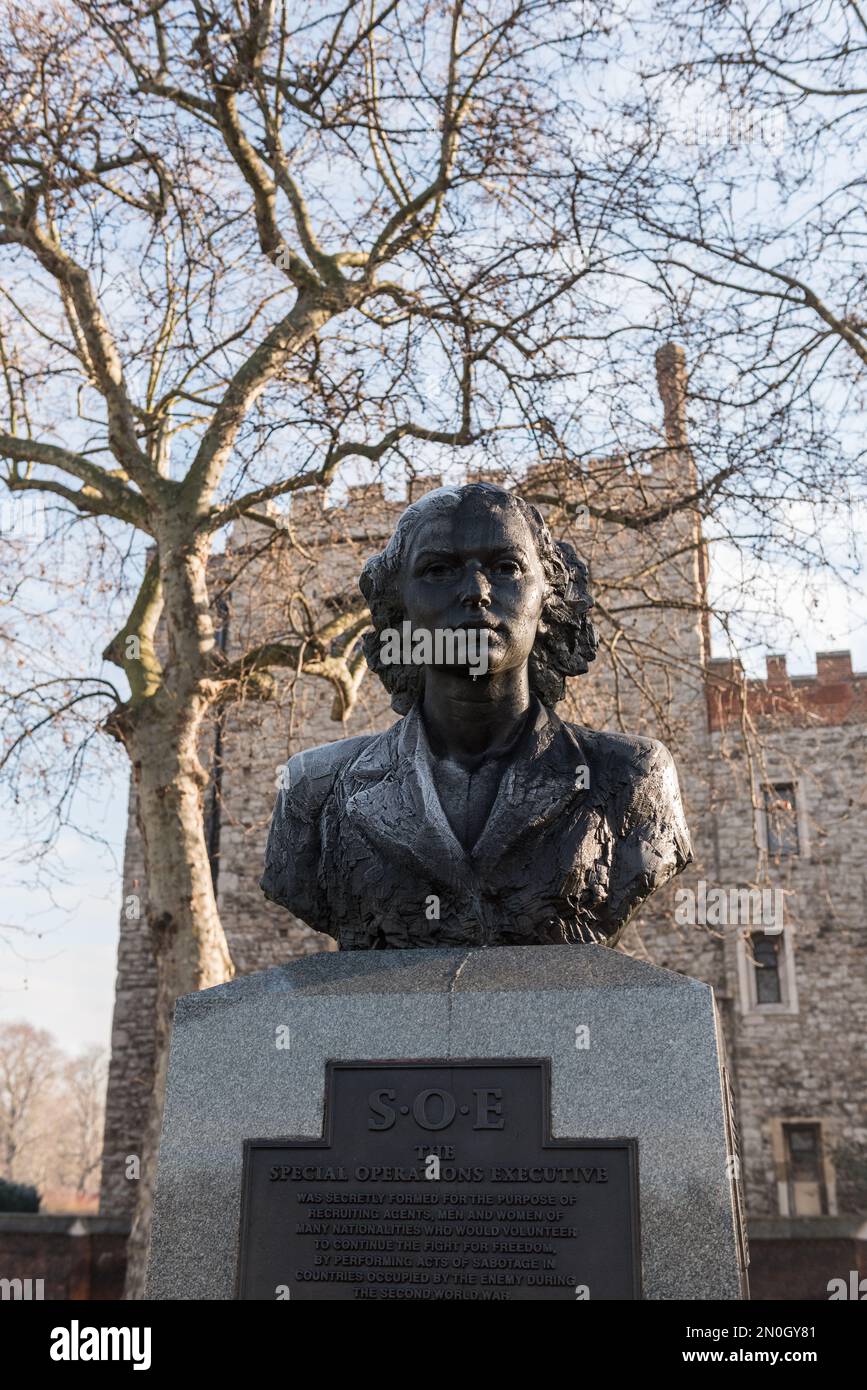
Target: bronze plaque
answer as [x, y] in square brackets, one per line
[439, 1181]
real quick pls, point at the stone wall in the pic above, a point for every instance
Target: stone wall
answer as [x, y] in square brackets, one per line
[804, 1061]
[132, 1037]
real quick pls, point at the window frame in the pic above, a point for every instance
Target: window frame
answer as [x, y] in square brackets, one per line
[772, 783]
[747, 971]
[780, 1127]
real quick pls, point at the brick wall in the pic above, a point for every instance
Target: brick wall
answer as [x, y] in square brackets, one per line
[74, 1257]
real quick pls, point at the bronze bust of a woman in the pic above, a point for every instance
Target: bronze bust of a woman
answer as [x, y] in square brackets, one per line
[479, 818]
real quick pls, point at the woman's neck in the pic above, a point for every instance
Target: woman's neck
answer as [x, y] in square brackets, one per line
[467, 718]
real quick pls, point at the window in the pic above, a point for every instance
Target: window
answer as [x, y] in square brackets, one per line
[766, 964]
[803, 1167]
[805, 1170]
[767, 983]
[781, 820]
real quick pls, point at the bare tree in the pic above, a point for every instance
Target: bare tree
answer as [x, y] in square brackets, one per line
[83, 1080]
[236, 235]
[29, 1060]
[748, 125]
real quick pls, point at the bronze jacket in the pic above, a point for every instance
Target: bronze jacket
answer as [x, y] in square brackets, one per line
[584, 827]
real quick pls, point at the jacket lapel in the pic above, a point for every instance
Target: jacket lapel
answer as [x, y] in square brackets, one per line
[397, 806]
[548, 773]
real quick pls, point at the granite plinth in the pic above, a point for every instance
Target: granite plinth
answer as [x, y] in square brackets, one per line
[248, 1061]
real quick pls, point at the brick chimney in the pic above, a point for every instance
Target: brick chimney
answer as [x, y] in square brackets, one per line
[776, 669]
[728, 668]
[833, 667]
[671, 384]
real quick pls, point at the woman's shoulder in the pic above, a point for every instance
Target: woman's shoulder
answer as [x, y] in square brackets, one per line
[622, 754]
[313, 771]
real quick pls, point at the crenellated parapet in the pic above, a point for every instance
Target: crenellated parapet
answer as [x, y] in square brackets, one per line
[834, 695]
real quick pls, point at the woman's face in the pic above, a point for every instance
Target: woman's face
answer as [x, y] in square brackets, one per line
[476, 565]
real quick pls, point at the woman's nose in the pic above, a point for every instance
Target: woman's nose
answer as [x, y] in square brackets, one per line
[476, 590]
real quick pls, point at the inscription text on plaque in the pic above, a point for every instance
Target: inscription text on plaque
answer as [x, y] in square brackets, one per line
[439, 1181]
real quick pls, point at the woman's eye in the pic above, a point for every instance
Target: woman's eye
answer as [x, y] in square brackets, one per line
[507, 567]
[438, 570]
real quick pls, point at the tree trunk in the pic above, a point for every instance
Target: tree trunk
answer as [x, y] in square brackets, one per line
[181, 916]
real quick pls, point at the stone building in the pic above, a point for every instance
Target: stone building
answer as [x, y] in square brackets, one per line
[772, 774]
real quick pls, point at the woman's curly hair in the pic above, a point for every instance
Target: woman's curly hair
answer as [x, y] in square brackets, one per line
[567, 641]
